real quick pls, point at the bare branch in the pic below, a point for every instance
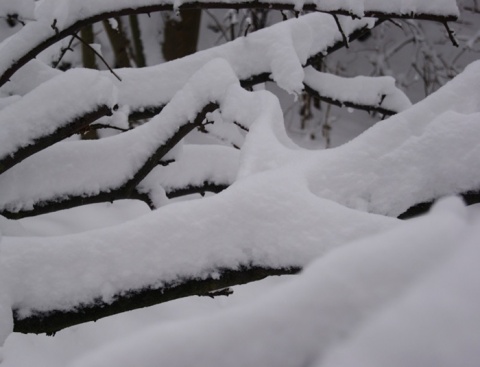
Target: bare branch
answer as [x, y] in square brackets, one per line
[98, 54]
[451, 34]
[340, 29]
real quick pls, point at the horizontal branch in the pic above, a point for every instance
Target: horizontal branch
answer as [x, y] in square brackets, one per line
[58, 34]
[196, 189]
[350, 104]
[54, 320]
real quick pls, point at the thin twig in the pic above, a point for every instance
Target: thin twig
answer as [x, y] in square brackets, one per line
[217, 23]
[451, 35]
[99, 56]
[345, 38]
[64, 51]
[395, 23]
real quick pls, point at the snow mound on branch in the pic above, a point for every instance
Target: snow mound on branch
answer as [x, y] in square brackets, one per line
[423, 153]
[335, 299]
[30, 118]
[361, 90]
[248, 224]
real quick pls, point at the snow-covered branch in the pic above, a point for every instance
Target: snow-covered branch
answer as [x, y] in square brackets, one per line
[366, 93]
[56, 21]
[51, 321]
[126, 159]
[89, 96]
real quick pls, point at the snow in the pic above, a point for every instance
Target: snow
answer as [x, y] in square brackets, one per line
[333, 299]
[87, 91]
[259, 233]
[374, 291]
[195, 165]
[435, 324]
[260, 52]
[85, 174]
[412, 157]
[361, 90]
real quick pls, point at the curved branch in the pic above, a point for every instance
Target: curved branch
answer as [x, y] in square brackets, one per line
[71, 29]
[125, 190]
[54, 320]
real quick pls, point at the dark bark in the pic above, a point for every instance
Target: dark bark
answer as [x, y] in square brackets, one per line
[137, 41]
[181, 35]
[88, 56]
[119, 42]
[469, 197]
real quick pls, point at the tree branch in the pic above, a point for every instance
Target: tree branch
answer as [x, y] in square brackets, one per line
[125, 190]
[54, 320]
[61, 133]
[369, 108]
[21, 59]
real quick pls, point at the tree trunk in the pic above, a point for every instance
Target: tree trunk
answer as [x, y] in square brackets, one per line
[181, 36]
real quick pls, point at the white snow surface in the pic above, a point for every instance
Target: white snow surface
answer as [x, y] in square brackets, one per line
[78, 163]
[336, 298]
[425, 152]
[86, 91]
[376, 291]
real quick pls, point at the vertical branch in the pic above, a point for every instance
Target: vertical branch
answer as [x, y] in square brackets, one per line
[119, 42]
[451, 35]
[88, 56]
[344, 36]
[137, 41]
[181, 36]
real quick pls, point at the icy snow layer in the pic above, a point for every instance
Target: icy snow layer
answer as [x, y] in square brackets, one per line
[69, 96]
[407, 297]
